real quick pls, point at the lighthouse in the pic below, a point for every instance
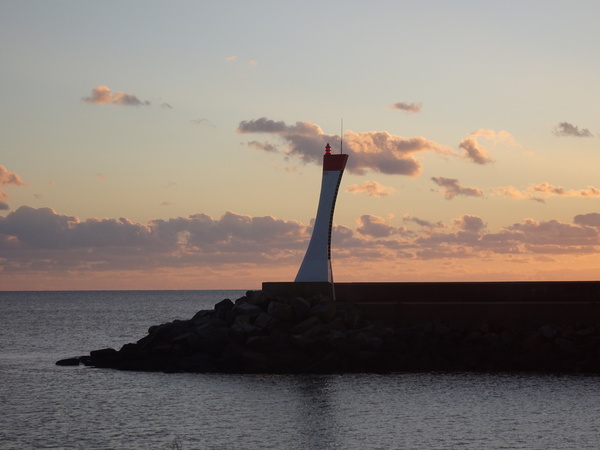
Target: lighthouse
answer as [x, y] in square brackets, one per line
[316, 266]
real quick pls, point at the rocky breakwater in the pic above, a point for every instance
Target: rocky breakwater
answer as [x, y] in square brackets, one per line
[263, 334]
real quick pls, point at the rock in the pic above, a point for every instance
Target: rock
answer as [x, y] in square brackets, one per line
[200, 316]
[257, 298]
[336, 324]
[301, 307]
[352, 317]
[242, 326]
[305, 325]
[281, 311]
[548, 332]
[265, 321]
[106, 357]
[75, 361]
[256, 362]
[324, 310]
[313, 332]
[243, 309]
[261, 343]
[222, 308]
[198, 363]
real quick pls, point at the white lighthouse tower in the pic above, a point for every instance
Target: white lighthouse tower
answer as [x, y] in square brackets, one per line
[316, 266]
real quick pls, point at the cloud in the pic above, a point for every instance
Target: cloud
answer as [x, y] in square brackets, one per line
[452, 188]
[567, 129]
[44, 244]
[165, 105]
[408, 107]
[8, 178]
[554, 233]
[38, 230]
[378, 151]
[3, 205]
[528, 237]
[590, 220]
[102, 95]
[202, 122]
[497, 137]
[377, 227]
[265, 146]
[541, 191]
[234, 58]
[422, 222]
[477, 152]
[371, 188]
[470, 223]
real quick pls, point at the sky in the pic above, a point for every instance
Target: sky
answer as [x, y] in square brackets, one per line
[178, 145]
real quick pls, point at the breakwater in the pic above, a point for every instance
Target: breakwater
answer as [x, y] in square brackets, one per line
[510, 304]
[272, 332]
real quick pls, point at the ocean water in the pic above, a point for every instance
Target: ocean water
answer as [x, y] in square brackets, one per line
[46, 406]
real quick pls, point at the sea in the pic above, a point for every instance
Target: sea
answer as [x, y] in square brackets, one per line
[47, 406]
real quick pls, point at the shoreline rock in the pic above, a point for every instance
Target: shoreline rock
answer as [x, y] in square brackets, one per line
[262, 334]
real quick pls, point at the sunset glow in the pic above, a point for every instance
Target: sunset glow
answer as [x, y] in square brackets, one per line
[183, 149]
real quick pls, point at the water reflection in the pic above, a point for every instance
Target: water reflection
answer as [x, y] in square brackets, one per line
[317, 422]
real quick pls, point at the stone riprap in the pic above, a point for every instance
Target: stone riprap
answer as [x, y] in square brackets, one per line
[260, 333]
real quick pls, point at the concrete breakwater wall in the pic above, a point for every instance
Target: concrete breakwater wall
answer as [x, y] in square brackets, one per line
[524, 303]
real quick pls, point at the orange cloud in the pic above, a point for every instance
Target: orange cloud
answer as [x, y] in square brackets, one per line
[541, 191]
[7, 178]
[371, 188]
[477, 152]
[102, 95]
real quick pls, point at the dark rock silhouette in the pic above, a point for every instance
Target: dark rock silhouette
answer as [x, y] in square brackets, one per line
[269, 334]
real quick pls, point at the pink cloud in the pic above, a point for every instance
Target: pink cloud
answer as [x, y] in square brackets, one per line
[408, 107]
[102, 95]
[378, 151]
[451, 188]
[422, 222]
[376, 227]
[44, 244]
[590, 220]
[470, 223]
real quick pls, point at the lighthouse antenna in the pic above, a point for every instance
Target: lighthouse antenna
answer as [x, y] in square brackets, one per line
[342, 136]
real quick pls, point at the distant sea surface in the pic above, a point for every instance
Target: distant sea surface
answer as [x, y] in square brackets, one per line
[47, 406]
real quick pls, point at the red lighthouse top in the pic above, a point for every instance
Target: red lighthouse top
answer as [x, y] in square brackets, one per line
[333, 162]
